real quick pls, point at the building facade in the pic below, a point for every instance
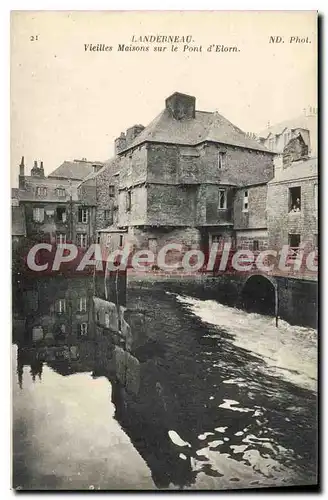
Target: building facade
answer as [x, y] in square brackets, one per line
[53, 208]
[181, 177]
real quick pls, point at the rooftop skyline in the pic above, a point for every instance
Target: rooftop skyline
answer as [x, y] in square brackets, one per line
[68, 103]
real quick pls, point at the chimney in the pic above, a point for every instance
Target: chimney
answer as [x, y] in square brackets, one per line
[21, 177]
[120, 143]
[22, 167]
[41, 172]
[181, 106]
[35, 169]
[132, 133]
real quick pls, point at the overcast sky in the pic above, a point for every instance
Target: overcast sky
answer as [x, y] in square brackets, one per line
[67, 103]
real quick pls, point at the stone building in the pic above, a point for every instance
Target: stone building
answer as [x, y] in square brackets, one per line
[185, 177]
[276, 137]
[292, 203]
[52, 206]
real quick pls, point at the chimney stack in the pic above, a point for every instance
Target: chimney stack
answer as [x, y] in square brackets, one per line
[181, 106]
[21, 177]
[22, 167]
[120, 143]
[132, 133]
[41, 173]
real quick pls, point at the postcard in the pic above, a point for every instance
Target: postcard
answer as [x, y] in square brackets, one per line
[164, 192]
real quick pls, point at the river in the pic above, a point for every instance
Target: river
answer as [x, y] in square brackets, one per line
[227, 400]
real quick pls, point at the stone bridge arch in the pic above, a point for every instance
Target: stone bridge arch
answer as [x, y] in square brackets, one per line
[260, 294]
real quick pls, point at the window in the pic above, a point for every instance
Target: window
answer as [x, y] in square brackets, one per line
[83, 304]
[107, 320]
[111, 191]
[61, 214]
[295, 199]
[38, 214]
[245, 202]
[128, 201]
[221, 160]
[41, 191]
[108, 215]
[61, 306]
[256, 245]
[61, 192]
[61, 239]
[222, 199]
[98, 238]
[294, 240]
[271, 143]
[121, 240]
[83, 329]
[83, 215]
[81, 239]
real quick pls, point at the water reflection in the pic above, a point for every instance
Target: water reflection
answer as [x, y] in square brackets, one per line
[200, 411]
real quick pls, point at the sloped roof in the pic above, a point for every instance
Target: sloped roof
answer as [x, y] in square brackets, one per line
[18, 226]
[112, 164]
[206, 126]
[77, 170]
[303, 122]
[297, 170]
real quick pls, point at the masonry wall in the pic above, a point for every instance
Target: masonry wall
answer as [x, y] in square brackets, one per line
[107, 205]
[133, 167]
[255, 217]
[174, 164]
[281, 222]
[47, 230]
[137, 214]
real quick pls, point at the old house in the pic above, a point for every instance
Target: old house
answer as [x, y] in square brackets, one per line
[184, 177]
[276, 137]
[53, 208]
[292, 204]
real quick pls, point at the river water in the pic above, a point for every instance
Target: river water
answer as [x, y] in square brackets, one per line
[226, 401]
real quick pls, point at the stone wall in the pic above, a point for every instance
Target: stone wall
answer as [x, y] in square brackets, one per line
[255, 217]
[281, 222]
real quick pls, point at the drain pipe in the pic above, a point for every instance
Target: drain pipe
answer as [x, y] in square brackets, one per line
[276, 303]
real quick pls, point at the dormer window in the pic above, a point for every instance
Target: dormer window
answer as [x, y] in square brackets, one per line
[221, 160]
[271, 143]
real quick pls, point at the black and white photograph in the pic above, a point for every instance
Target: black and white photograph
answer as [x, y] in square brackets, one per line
[164, 250]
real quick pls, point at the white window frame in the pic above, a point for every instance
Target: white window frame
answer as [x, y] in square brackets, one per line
[39, 211]
[83, 304]
[84, 215]
[61, 192]
[245, 201]
[82, 240]
[225, 199]
[83, 329]
[61, 309]
[41, 191]
[61, 239]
